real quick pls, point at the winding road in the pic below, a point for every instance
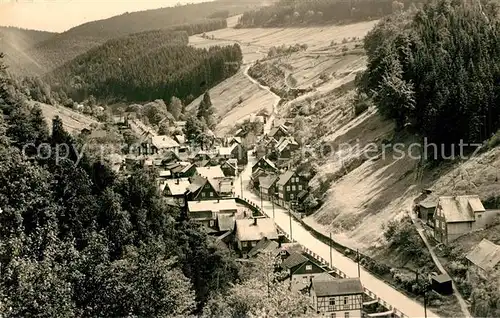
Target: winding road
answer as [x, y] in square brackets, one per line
[396, 299]
[269, 123]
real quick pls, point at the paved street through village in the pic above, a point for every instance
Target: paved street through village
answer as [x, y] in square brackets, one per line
[393, 297]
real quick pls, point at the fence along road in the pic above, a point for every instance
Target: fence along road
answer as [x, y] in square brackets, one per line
[393, 299]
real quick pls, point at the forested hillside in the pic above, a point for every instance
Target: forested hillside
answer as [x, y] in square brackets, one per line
[80, 241]
[316, 12]
[62, 48]
[65, 46]
[436, 70]
[14, 42]
[146, 66]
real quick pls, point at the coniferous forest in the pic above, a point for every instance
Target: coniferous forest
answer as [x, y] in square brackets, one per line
[436, 70]
[77, 240]
[146, 66]
[289, 13]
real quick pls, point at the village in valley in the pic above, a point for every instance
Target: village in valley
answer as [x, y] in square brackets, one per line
[234, 185]
[230, 131]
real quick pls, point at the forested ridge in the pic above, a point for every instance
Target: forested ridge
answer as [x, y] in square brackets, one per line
[317, 12]
[65, 46]
[78, 240]
[436, 70]
[146, 66]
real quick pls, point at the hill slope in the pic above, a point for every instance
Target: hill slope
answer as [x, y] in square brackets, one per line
[294, 13]
[146, 66]
[59, 49]
[14, 42]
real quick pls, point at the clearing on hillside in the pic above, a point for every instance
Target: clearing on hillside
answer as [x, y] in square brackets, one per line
[73, 121]
[239, 97]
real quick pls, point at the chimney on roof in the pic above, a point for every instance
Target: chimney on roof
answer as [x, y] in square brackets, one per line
[254, 221]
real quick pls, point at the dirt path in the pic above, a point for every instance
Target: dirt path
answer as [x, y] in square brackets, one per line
[421, 232]
[269, 123]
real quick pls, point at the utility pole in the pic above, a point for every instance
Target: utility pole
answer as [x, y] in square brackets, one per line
[272, 202]
[261, 204]
[241, 184]
[425, 302]
[357, 258]
[330, 250]
[290, 216]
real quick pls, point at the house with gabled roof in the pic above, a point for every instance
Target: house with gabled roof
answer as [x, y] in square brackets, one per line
[455, 216]
[286, 147]
[210, 172]
[255, 177]
[249, 232]
[267, 186]
[288, 187]
[278, 132]
[301, 270]
[337, 297]
[176, 189]
[263, 246]
[201, 189]
[216, 215]
[266, 164]
[229, 168]
[164, 143]
[485, 257]
[182, 170]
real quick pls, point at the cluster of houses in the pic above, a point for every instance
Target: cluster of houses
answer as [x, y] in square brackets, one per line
[330, 296]
[278, 143]
[272, 176]
[451, 217]
[287, 188]
[201, 183]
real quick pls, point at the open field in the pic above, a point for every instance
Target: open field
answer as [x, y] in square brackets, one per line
[238, 98]
[73, 121]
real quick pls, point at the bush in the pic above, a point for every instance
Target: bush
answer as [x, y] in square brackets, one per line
[404, 237]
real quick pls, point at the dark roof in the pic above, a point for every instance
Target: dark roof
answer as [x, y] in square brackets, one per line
[337, 287]
[293, 260]
[258, 173]
[274, 130]
[302, 194]
[285, 177]
[202, 163]
[263, 245]
[187, 167]
[227, 163]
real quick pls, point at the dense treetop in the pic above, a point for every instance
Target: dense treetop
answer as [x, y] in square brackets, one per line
[436, 69]
[317, 12]
[78, 240]
[65, 46]
[146, 66]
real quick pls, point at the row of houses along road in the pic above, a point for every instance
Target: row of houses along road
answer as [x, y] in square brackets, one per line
[394, 298]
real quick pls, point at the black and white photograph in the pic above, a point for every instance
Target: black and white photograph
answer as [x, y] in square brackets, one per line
[250, 158]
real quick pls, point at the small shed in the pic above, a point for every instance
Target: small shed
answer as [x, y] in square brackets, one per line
[442, 284]
[426, 209]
